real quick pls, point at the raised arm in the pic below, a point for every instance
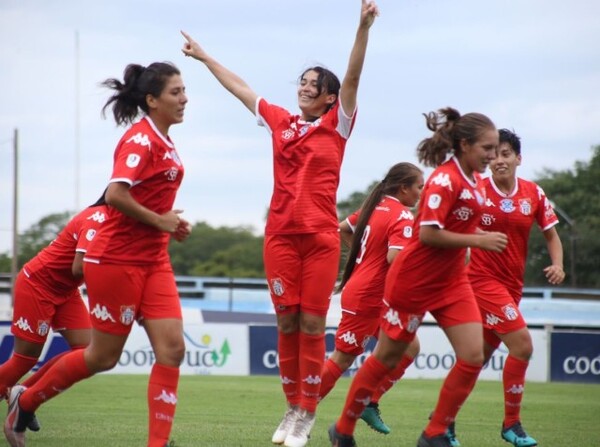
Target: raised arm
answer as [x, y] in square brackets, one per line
[349, 86]
[232, 82]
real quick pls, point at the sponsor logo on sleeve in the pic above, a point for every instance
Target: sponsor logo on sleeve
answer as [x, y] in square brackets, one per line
[132, 160]
[434, 202]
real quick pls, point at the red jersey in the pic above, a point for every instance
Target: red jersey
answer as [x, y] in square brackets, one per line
[51, 267]
[390, 226]
[149, 163]
[307, 158]
[513, 214]
[451, 201]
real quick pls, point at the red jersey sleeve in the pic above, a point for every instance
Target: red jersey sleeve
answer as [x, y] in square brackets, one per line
[133, 154]
[400, 232]
[546, 217]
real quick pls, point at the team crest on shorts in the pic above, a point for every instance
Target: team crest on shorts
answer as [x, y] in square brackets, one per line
[277, 286]
[413, 323]
[127, 315]
[43, 328]
[510, 312]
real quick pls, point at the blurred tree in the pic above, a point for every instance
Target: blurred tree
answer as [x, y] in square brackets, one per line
[40, 234]
[576, 196]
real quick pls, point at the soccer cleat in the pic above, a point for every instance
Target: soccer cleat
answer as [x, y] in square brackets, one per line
[517, 436]
[451, 435]
[17, 420]
[372, 416]
[339, 440]
[300, 431]
[34, 424]
[285, 425]
[434, 441]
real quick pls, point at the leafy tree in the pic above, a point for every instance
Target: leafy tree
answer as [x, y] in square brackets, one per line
[40, 234]
[222, 251]
[576, 195]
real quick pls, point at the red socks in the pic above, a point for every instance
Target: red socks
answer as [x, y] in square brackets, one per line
[13, 369]
[389, 380]
[312, 358]
[288, 348]
[363, 385]
[329, 376]
[32, 379]
[456, 388]
[69, 369]
[513, 379]
[162, 401]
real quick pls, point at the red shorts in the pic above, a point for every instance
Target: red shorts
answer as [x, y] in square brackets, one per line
[36, 311]
[118, 295]
[457, 306]
[499, 309]
[354, 332]
[301, 271]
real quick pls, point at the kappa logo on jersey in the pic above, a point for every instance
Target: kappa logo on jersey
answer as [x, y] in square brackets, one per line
[349, 338]
[510, 312]
[43, 328]
[488, 202]
[127, 315]
[172, 155]
[493, 320]
[141, 139]
[525, 206]
[23, 324]
[407, 233]
[434, 201]
[102, 313]
[277, 287]
[487, 219]
[442, 180]
[463, 213]
[97, 217]
[507, 205]
[90, 234]
[406, 215]
[132, 160]
[382, 208]
[465, 194]
[166, 397]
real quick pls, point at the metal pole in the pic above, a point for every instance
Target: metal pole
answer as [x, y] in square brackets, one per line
[15, 225]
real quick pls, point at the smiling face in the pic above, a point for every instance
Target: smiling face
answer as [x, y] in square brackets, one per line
[504, 166]
[311, 102]
[478, 155]
[168, 108]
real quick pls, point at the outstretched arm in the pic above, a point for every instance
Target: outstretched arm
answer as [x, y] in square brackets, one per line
[232, 82]
[349, 86]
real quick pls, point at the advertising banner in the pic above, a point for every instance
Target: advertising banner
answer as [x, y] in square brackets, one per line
[433, 362]
[575, 357]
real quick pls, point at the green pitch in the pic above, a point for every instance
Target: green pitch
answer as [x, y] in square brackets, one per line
[110, 411]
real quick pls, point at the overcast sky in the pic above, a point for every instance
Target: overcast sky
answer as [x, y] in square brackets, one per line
[531, 65]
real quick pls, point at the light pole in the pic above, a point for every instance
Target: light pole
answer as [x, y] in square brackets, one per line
[15, 236]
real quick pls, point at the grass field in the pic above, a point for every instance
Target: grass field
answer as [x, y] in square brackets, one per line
[110, 410]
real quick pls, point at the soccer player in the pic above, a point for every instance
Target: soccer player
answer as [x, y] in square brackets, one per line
[513, 206]
[430, 275]
[375, 234]
[46, 296]
[127, 269]
[302, 246]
